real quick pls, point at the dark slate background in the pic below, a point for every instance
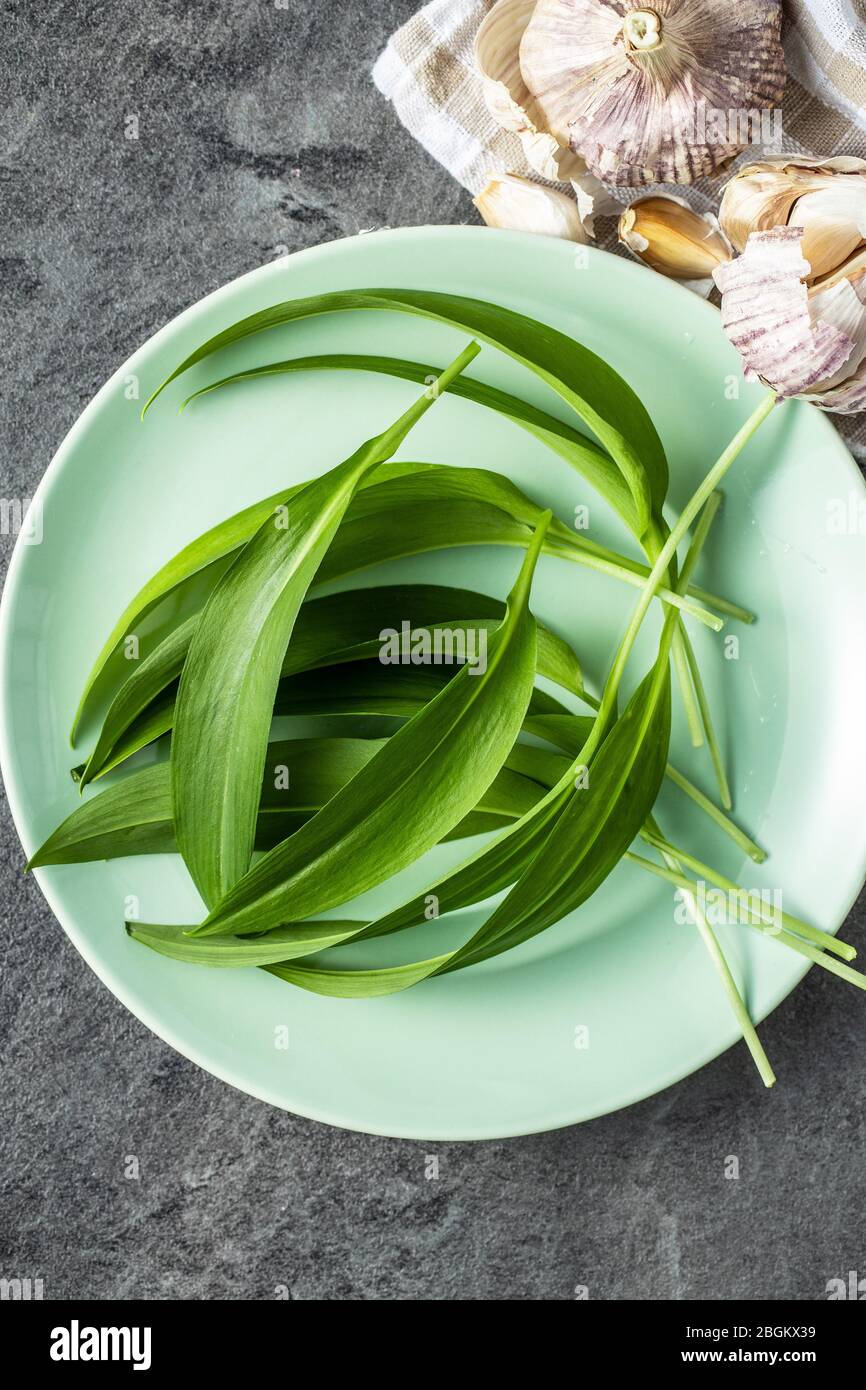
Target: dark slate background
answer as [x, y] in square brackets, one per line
[259, 127]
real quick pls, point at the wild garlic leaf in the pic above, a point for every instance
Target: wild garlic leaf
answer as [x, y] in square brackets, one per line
[473, 520]
[586, 839]
[364, 689]
[582, 453]
[634, 477]
[136, 816]
[429, 775]
[226, 694]
[367, 689]
[596, 827]
[211, 551]
[299, 939]
[557, 874]
[340, 627]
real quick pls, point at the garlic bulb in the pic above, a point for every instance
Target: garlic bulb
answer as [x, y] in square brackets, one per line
[520, 205]
[826, 198]
[667, 235]
[800, 340]
[658, 94]
[497, 58]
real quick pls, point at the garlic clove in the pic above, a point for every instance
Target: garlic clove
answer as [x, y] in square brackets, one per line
[497, 59]
[826, 197]
[833, 222]
[520, 205]
[652, 94]
[550, 160]
[667, 235]
[841, 301]
[767, 315]
[756, 200]
[497, 46]
[593, 200]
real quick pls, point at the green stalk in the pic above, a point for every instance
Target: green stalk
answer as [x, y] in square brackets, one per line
[717, 956]
[576, 554]
[795, 924]
[621, 565]
[667, 551]
[687, 689]
[739, 836]
[803, 948]
[707, 721]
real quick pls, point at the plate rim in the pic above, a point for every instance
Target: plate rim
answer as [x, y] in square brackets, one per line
[139, 1007]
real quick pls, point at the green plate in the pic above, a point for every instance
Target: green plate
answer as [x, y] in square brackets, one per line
[619, 1000]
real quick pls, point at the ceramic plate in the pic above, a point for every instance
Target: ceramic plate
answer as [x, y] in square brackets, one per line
[618, 1000]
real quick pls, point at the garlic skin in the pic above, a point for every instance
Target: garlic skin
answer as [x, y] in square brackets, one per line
[801, 341]
[629, 86]
[497, 59]
[826, 198]
[520, 205]
[668, 236]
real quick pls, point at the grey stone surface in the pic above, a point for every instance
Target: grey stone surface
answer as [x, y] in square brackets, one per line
[259, 127]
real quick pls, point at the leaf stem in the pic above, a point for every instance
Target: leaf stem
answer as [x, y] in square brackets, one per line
[803, 948]
[739, 836]
[707, 721]
[578, 555]
[729, 984]
[687, 689]
[766, 914]
[640, 572]
[696, 502]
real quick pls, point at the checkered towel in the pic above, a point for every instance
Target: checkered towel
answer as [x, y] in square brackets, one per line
[427, 71]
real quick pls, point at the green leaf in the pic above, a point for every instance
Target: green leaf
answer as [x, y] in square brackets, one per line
[558, 874]
[424, 781]
[587, 838]
[443, 506]
[596, 827]
[634, 479]
[142, 694]
[232, 669]
[206, 559]
[569, 443]
[210, 552]
[299, 939]
[362, 688]
[368, 689]
[340, 627]
[499, 863]
[136, 815]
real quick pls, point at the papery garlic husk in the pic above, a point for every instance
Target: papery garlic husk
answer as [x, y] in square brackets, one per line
[522, 206]
[670, 237]
[497, 58]
[800, 341]
[652, 94]
[824, 197]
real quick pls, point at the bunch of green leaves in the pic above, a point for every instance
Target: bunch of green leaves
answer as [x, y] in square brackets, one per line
[354, 811]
